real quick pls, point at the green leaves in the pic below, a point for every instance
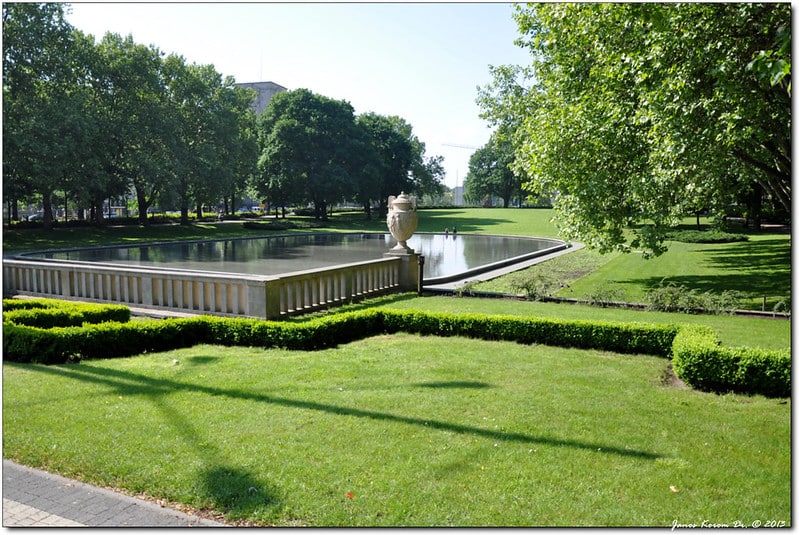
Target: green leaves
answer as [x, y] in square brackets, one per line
[491, 172]
[97, 119]
[639, 113]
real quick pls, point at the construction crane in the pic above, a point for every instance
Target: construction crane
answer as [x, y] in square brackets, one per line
[460, 146]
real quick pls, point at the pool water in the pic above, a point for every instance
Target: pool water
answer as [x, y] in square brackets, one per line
[446, 256]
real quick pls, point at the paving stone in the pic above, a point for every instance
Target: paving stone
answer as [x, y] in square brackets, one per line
[35, 498]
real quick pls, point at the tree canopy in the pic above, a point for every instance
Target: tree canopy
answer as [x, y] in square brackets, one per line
[635, 115]
[491, 173]
[87, 120]
[314, 149]
[100, 119]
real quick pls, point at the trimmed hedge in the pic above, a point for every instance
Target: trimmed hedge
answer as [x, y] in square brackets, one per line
[108, 340]
[75, 314]
[698, 357]
[702, 362]
[611, 336]
[705, 236]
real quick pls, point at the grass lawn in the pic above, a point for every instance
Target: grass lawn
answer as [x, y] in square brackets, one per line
[758, 267]
[402, 430]
[732, 330]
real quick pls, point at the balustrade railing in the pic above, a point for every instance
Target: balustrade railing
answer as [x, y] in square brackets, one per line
[266, 296]
[316, 289]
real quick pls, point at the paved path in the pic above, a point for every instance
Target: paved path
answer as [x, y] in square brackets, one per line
[35, 498]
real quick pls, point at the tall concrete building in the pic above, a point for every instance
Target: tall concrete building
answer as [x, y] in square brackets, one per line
[265, 92]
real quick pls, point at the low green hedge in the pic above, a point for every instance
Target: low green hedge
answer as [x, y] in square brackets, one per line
[48, 313]
[705, 236]
[702, 362]
[107, 340]
[698, 357]
[611, 336]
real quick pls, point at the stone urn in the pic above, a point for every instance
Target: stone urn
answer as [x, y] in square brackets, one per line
[402, 220]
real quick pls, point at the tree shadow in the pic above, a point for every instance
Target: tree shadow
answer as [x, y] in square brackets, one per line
[130, 383]
[235, 491]
[769, 255]
[455, 384]
[202, 359]
[437, 220]
[752, 268]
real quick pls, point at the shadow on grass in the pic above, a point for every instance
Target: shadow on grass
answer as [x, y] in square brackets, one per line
[455, 384]
[437, 220]
[752, 268]
[202, 359]
[235, 491]
[128, 383]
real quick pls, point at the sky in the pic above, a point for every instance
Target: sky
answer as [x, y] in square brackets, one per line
[420, 61]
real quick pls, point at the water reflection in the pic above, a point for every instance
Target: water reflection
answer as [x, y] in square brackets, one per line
[445, 255]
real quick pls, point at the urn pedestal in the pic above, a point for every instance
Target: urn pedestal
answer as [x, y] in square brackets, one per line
[402, 220]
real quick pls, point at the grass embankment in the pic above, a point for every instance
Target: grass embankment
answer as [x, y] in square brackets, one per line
[403, 430]
[757, 268]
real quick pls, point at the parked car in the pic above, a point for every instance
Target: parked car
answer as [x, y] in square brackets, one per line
[36, 217]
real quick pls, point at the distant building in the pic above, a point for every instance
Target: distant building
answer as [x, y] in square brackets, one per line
[458, 195]
[266, 90]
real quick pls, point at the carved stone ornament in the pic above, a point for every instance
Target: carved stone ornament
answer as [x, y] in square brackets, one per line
[402, 220]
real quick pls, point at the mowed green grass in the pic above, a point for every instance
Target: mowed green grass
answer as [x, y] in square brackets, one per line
[403, 430]
[756, 268]
[422, 431]
[732, 330]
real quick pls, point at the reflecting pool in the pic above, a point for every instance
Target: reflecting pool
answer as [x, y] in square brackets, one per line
[445, 256]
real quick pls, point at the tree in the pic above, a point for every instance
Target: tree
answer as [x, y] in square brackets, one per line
[394, 161]
[133, 129]
[491, 172]
[386, 170]
[308, 143]
[206, 119]
[239, 141]
[42, 101]
[427, 172]
[640, 113]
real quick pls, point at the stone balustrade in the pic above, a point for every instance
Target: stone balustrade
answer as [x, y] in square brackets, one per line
[267, 296]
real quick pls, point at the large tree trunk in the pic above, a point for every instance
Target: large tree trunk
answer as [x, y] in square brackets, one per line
[47, 200]
[184, 212]
[144, 205]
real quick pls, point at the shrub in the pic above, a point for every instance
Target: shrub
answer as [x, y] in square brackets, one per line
[70, 314]
[705, 236]
[22, 343]
[605, 296]
[671, 297]
[783, 305]
[699, 359]
[701, 362]
[621, 337]
[534, 284]
[27, 304]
